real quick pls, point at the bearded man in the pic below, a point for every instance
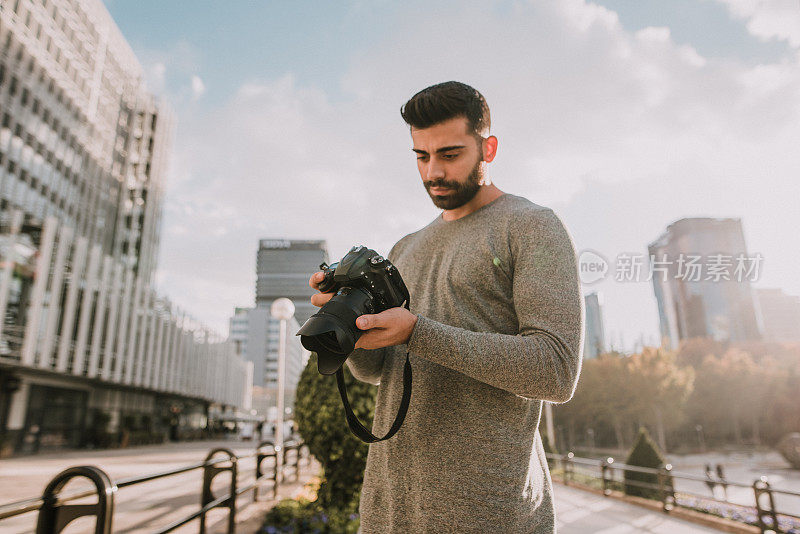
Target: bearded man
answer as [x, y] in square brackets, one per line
[494, 329]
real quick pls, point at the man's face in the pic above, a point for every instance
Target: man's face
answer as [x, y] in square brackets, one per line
[450, 162]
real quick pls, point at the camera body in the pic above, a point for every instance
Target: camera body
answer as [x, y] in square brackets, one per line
[365, 268]
[363, 282]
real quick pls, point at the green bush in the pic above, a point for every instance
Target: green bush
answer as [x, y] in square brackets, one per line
[321, 422]
[645, 453]
[302, 516]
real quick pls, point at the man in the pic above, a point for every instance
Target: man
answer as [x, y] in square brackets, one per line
[495, 328]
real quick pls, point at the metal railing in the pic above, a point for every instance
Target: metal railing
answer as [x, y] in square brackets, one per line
[57, 509]
[609, 476]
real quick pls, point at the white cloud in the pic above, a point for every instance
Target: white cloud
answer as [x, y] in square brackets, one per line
[769, 19]
[198, 87]
[622, 133]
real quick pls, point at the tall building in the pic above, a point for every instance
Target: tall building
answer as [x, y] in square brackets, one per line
[701, 278]
[87, 348]
[257, 335]
[82, 141]
[780, 315]
[283, 268]
[594, 342]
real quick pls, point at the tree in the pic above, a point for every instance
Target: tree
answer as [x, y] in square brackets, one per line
[321, 422]
[660, 389]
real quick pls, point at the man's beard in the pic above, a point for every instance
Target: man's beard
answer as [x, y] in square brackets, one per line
[460, 193]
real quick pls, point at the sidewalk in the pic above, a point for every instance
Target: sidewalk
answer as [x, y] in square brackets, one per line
[147, 506]
[583, 512]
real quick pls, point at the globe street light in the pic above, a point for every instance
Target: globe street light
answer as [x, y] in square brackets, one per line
[283, 310]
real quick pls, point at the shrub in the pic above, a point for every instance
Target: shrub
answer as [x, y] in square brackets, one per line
[645, 453]
[303, 516]
[321, 422]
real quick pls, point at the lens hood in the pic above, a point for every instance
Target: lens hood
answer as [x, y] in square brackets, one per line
[333, 341]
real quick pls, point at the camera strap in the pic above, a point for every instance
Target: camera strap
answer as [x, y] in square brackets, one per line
[355, 425]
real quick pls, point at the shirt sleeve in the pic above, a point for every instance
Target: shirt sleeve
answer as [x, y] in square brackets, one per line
[367, 365]
[543, 360]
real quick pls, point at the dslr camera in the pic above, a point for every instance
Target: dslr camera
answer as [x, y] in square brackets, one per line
[364, 282]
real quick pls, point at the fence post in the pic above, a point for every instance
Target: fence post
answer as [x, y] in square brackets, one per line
[54, 517]
[665, 488]
[261, 455]
[607, 475]
[567, 460]
[209, 473]
[766, 511]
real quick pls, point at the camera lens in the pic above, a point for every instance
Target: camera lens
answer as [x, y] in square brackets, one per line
[332, 332]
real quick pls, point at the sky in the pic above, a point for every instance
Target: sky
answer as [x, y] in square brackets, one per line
[621, 116]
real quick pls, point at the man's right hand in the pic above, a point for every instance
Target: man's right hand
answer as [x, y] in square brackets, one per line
[320, 299]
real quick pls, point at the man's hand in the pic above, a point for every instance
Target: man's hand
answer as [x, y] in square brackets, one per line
[320, 299]
[386, 329]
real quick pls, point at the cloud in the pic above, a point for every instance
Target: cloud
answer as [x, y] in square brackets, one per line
[198, 87]
[622, 132]
[769, 19]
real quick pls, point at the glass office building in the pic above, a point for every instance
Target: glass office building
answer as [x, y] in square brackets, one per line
[701, 279]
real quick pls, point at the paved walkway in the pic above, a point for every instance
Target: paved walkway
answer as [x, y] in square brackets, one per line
[583, 512]
[143, 508]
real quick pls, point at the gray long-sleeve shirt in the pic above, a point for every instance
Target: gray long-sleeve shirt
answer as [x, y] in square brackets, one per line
[499, 330]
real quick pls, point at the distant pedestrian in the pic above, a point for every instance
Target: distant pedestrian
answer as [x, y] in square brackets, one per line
[710, 482]
[722, 481]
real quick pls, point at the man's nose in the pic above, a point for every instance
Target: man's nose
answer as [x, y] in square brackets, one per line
[435, 171]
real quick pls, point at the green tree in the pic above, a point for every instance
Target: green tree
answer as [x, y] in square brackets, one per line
[321, 422]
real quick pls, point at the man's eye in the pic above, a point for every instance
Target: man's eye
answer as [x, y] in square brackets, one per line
[450, 156]
[421, 158]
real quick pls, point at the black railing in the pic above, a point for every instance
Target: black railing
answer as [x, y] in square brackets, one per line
[56, 510]
[609, 476]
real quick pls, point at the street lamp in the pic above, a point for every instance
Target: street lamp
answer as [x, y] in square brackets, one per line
[283, 310]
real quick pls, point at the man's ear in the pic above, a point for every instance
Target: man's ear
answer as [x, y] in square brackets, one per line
[489, 148]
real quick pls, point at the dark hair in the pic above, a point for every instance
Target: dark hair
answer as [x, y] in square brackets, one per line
[445, 101]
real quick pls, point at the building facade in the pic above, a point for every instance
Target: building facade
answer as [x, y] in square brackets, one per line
[698, 284]
[258, 336]
[87, 348]
[780, 315]
[594, 342]
[283, 268]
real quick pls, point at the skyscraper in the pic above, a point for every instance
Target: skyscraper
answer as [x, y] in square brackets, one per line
[594, 338]
[701, 274]
[283, 268]
[780, 315]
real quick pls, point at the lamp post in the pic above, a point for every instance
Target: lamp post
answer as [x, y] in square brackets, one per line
[283, 310]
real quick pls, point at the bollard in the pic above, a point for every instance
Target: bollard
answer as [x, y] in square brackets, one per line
[54, 517]
[765, 510]
[209, 473]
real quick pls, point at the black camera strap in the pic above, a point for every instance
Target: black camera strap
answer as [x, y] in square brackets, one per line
[355, 425]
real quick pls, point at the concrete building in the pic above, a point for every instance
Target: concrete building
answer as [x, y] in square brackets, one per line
[87, 348]
[594, 342]
[283, 268]
[780, 315]
[258, 334]
[701, 278]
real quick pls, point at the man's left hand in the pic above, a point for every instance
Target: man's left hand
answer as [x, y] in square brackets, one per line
[385, 329]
